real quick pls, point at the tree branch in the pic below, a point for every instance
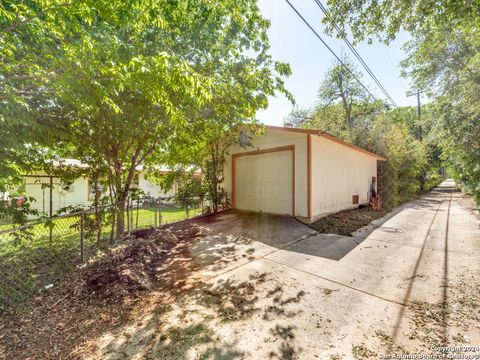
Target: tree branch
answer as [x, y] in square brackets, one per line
[17, 23]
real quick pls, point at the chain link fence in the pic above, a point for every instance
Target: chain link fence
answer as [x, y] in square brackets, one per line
[36, 256]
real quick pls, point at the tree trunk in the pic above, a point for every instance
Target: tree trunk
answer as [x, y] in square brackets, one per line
[138, 209]
[120, 218]
[215, 198]
[215, 170]
[111, 207]
[122, 196]
[98, 222]
[348, 114]
[112, 232]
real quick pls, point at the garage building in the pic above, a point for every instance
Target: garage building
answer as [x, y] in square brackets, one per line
[300, 172]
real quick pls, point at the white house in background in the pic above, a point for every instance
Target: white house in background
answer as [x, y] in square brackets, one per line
[81, 191]
[304, 173]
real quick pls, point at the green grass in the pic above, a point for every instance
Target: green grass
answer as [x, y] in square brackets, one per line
[146, 217]
[30, 262]
[66, 227]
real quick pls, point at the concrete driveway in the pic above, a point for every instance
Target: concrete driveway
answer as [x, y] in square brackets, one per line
[270, 287]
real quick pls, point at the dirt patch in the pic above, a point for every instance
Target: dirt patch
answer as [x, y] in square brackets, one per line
[130, 268]
[194, 326]
[346, 222]
[361, 352]
[149, 270]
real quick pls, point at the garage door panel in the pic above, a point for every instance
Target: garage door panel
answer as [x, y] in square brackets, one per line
[263, 182]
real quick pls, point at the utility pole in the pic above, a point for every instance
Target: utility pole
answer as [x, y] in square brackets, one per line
[420, 133]
[420, 129]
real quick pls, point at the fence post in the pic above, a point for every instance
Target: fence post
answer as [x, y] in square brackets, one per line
[82, 216]
[138, 209]
[50, 210]
[114, 211]
[128, 217]
[131, 219]
[160, 212]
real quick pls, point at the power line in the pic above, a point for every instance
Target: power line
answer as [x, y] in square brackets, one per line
[357, 55]
[355, 52]
[330, 49]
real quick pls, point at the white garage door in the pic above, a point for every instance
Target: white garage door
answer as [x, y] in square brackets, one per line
[264, 182]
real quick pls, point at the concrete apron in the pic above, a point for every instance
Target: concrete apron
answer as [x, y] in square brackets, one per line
[321, 293]
[410, 257]
[407, 250]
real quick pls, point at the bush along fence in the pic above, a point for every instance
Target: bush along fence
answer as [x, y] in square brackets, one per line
[35, 256]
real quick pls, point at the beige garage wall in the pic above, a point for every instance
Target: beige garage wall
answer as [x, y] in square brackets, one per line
[273, 139]
[338, 172]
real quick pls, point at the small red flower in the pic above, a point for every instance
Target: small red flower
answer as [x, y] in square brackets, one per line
[20, 200]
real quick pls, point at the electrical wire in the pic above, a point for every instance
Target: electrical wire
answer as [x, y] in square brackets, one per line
[355, 52]
[330, 49]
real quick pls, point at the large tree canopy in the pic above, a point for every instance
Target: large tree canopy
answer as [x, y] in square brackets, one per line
[345, 110]
[340, 85]
[119, 83]
[384, 19]
[443, 60]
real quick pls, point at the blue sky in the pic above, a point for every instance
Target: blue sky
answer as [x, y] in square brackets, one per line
[293, 42]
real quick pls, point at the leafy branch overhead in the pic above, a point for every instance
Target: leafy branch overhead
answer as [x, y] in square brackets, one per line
[118, 84]
[443, 58]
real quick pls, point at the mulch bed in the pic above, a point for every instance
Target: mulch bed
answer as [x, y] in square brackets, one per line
[346, 222]
[148, 271]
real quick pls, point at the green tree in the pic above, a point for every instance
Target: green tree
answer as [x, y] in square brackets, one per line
[190, 192]
[344, 111]
[121, 83]
[339, 84]
[443, 59]
[446, 62]
[383, 20]
[35, 36]
[240, 87]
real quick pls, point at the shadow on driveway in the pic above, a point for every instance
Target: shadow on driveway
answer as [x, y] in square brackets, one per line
[240, 235]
